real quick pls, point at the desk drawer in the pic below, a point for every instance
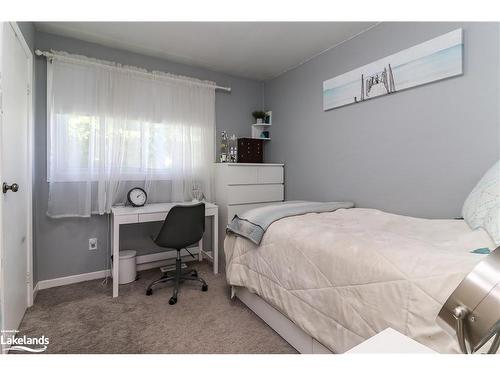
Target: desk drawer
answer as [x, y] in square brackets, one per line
[155, 216]
[240, 194]
[160, 216]
[248, 175]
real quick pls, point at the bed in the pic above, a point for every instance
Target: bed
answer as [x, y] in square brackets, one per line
[338, 278]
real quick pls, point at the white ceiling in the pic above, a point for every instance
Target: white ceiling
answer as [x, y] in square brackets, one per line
[258, 50]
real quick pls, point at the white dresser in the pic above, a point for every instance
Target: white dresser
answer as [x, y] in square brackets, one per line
[242, 186]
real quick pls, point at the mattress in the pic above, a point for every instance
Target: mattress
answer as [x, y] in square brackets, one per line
[344, 276]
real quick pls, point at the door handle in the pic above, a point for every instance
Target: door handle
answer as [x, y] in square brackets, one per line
[6, 187]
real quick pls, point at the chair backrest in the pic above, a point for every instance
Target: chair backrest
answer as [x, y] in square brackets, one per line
[183, 226]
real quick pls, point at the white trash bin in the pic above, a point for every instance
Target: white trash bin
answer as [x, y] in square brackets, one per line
[127, 272]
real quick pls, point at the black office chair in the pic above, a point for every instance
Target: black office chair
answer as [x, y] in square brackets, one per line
[183, 226]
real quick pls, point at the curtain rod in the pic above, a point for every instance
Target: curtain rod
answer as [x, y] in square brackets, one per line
[51, 55]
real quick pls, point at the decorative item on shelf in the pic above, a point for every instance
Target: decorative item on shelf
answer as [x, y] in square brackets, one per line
[259, 116]
[268, 118]
[223, 147]
[260, 130]
[250, 150]
[472, 312]
[233, 149]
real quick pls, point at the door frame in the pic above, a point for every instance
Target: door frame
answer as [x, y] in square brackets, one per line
[29, 179]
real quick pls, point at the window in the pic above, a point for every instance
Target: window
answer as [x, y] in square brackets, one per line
[84, 148]
[108, 127]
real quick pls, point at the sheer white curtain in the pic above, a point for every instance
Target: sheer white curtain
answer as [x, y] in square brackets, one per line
[110, 129]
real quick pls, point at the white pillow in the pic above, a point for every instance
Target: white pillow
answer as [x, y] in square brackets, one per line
[482, 207]
[492, 224]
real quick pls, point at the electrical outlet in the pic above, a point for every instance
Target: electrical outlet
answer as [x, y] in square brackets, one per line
[92, 244]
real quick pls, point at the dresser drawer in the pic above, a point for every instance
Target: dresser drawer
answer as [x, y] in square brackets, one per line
[248, 175]
[270, 175]
[238, 209]
[239, 194]
[239, 175]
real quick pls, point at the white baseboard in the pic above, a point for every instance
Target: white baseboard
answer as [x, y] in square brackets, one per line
[148, 261]
[164, 262]
[46, 284]
[144, 262]
[155, 264]
[35, 291]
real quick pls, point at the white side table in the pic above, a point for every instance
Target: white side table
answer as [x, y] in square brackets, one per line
[390, 341]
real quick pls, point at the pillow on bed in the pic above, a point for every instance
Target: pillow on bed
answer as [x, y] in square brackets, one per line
[492, 224]
[482, 207]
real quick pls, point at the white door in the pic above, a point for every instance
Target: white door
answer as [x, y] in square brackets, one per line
[15, 196]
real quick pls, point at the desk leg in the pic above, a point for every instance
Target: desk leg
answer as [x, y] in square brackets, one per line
[216, 243]
[200, 250]
[116, 255]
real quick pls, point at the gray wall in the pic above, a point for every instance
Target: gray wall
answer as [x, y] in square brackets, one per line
[417, 152]
[28, 30]
[62, 244]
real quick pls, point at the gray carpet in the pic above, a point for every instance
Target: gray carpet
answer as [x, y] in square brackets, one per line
[83, 318]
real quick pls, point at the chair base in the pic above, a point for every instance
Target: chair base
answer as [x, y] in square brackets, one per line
[178, 277]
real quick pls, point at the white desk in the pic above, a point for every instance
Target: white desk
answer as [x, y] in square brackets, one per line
[156, 212]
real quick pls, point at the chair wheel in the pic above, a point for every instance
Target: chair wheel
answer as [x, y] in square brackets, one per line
[194, 273]
[149, 292]
[204, 288]
[172, 301]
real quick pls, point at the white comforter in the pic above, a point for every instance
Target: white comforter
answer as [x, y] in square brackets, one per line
[346, 275]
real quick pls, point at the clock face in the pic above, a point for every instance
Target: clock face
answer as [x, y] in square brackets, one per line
[137, 197]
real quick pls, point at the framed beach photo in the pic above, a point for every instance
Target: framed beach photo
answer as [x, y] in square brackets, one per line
[434, 60]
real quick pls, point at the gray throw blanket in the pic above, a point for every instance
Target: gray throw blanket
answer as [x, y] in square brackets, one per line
[254, 223]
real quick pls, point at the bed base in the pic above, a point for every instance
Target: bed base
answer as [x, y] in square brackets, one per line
[289, 331]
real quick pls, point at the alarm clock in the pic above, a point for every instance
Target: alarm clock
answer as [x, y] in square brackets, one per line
[137, 197]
